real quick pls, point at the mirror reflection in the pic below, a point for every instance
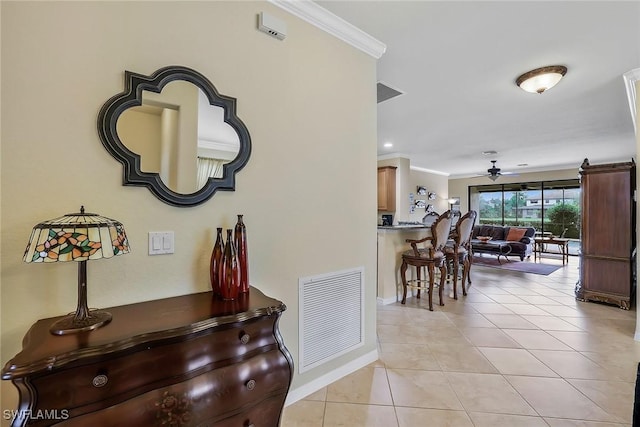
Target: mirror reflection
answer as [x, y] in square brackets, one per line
[176, 143]
[179, 135]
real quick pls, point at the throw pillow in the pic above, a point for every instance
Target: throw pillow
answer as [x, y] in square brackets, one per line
[497, 233]
[515, 234]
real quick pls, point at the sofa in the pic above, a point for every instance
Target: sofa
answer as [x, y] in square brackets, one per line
[522, 247]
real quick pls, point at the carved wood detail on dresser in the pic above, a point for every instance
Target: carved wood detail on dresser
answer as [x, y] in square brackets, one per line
[185, 361]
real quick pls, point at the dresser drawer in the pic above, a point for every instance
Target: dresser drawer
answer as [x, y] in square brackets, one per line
[246, 393]
[122, 377]
[265, 414]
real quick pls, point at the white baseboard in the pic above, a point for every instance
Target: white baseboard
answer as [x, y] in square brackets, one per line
[387, 301]
[323, 381]
[393, 300]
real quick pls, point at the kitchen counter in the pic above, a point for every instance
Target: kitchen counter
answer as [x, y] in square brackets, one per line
[391, 244]
[401, 227]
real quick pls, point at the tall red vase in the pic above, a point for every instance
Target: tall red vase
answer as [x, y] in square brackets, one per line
[240, 239]
[229, 271]
[216, 260]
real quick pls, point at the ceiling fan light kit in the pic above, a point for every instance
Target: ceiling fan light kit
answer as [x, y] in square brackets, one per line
[494, 172]
[541, 79]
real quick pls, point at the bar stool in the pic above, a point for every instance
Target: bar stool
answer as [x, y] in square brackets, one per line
[460, 251]
[429, 257]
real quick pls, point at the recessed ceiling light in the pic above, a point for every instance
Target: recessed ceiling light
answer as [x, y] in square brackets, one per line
[489, 153]
[388, 145]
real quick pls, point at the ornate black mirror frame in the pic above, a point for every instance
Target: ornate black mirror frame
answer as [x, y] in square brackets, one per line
[135, 84]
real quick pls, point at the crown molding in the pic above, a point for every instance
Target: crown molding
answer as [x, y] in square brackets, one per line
[394, 156]
[408, 157]
[435, 172]
[320, 17]
[630, 80]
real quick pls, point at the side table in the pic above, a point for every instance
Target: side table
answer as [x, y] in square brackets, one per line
[563, 246]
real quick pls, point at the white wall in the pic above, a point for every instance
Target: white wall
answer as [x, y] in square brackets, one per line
[308, 193]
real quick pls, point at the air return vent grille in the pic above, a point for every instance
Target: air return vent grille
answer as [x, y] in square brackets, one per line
[386, 92]
[331, 316]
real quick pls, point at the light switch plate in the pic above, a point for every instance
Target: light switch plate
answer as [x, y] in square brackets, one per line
[161, 242]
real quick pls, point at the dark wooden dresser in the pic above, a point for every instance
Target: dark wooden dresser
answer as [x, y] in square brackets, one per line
[191, 360]
[608, 233]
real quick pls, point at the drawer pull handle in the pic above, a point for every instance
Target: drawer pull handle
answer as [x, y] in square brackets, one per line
[100, 380]
[245, 338]
[251, 384]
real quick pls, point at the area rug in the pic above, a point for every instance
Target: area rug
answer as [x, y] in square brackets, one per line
[523, 266]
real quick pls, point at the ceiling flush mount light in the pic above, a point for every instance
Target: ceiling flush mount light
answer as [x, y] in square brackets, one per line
[541, 79]
[388, 145]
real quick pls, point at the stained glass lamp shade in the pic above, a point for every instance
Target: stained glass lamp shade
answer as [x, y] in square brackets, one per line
[77, 237]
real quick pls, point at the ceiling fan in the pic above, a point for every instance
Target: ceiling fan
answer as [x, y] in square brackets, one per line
[494, 172]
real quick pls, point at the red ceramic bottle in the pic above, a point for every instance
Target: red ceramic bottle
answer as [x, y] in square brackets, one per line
[216, 260]
[240, 239]
[229, 271]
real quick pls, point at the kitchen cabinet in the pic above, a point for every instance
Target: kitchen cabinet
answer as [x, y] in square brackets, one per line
[608, 233]
[387, 188]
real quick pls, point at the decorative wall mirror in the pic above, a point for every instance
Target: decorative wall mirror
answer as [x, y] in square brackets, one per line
[175, 134]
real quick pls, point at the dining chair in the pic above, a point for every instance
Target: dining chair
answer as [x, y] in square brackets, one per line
[431, 256]
[430, 218]
[459, 252]
[455, 217]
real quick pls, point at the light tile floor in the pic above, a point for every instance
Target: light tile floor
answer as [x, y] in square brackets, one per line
[517, 351]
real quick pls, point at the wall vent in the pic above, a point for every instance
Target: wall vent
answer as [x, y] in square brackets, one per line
[331, 316]
[386, 92]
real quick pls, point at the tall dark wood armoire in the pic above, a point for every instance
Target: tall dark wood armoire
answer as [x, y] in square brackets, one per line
[608, 233]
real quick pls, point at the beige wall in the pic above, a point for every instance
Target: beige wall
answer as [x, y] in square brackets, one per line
[306, 212]
[460, 187]
[407, 181]
[434, 183]
[140, 131]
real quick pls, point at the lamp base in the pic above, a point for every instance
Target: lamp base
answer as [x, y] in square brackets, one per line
[72, 325]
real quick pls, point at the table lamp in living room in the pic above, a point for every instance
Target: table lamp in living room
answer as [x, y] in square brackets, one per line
[77, 237]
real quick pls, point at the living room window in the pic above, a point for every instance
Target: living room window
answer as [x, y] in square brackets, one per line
[549, 206]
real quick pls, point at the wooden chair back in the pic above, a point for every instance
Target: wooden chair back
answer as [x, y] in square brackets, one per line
[430, 218]
[464, 227]
[440, 231]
